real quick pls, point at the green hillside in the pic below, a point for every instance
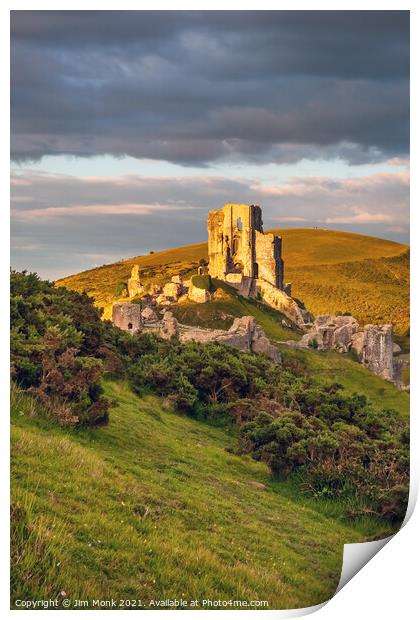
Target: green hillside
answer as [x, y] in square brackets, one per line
[153, 506]
[331, 271]
[326, 367]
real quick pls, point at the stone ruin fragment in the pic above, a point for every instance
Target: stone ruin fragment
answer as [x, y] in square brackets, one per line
[331, 332]
[245, 335]
[198, 295]
[149, 315]
[134, 286]
[374, 348]
[169, 326]
[127, 317]
[372, 345]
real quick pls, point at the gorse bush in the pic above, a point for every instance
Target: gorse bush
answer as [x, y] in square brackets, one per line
[56, 336]
[202, 375]
[342, 447]
[339, 446]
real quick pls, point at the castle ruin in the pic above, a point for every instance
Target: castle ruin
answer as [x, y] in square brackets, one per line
[250, 260]
[238, 247]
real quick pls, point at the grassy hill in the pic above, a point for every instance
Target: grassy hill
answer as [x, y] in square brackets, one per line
[331, 271]
[153, 506]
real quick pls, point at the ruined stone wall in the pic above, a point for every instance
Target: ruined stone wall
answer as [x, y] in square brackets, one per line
[127, 317]
[331, 332]
[216, 246]
[238, 238]
[374, 347]
[373, 344]
[278, 299]
[244, 335]
[268, 259]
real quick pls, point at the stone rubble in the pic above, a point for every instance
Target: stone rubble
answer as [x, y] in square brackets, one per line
[198, 295]
[331, 332]
[372, 345]
[169, 326]
[172, 290]
[245, 335]
[148, 315]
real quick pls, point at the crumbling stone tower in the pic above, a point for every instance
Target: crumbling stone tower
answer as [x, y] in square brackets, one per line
[238, 246]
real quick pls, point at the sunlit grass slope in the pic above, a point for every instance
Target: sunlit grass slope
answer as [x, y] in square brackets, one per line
[331, 271]
[316, 246]
[158, 268]
[328, 367]
[220, 313]
[154, 507]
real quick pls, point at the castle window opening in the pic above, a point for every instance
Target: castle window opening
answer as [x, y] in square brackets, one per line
[235, 245]
[130, 326]
[239, 223]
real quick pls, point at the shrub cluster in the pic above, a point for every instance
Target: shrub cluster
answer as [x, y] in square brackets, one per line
[56, 336]
[339, 446]
[206, 380]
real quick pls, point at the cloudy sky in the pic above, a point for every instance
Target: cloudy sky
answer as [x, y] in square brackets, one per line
[128, 126]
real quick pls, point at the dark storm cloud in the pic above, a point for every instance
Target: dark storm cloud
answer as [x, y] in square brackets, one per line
[87, 221]
[195, 87]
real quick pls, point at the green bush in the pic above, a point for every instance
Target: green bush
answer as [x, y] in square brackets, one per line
[121, 290]
[203, 281]
[56, 338]
[341, 448]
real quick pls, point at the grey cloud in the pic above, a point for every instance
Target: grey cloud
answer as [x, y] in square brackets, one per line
[356, 43]
[196, 87]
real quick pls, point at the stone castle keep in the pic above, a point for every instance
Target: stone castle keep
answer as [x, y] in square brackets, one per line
[238, 247]
[250, 260]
